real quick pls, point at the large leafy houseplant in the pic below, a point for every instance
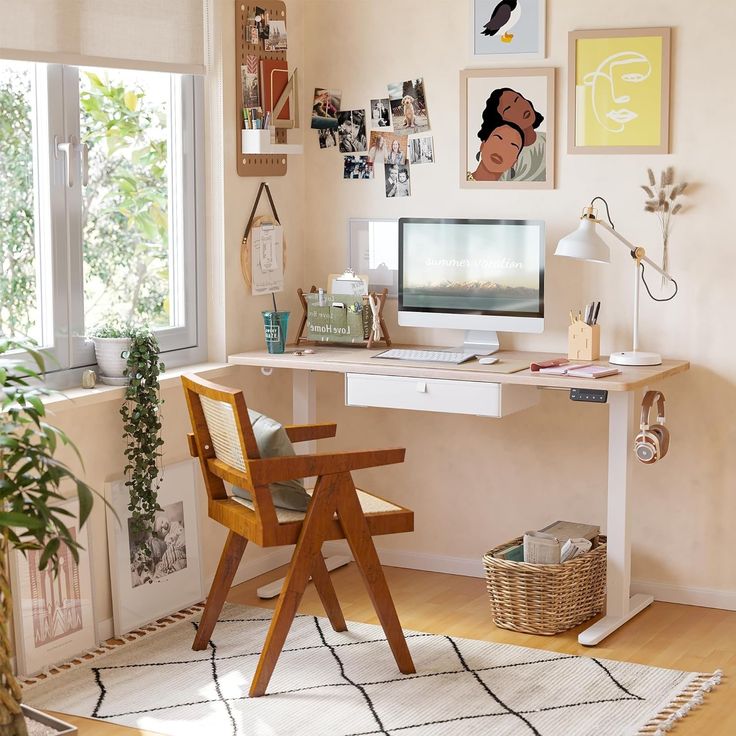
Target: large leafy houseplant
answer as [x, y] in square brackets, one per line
[31, 478]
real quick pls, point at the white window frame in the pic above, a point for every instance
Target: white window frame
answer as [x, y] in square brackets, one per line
[58, 225]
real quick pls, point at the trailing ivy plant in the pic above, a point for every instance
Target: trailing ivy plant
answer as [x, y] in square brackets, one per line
[141, 413]
[31, 517]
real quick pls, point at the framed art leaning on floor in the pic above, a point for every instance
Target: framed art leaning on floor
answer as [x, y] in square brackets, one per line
[53, 614]
[156, 573]
[507, 128]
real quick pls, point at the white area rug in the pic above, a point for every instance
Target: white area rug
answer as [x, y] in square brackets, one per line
[347, 684]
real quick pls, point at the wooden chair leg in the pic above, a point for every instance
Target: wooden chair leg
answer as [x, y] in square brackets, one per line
[308, 548]
[359, 538]
[232, 553]
[326, 592]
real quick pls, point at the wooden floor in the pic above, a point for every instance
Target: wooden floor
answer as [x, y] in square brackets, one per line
[664, 635]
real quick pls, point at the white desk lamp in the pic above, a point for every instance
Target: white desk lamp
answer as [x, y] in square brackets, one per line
[585, 244]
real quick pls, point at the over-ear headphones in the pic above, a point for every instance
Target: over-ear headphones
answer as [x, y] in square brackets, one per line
[653, 440]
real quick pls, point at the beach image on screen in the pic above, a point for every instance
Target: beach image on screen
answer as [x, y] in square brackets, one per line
[472, 267]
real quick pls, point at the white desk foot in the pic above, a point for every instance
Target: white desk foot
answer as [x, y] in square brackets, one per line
[608, 624]
[273, 589]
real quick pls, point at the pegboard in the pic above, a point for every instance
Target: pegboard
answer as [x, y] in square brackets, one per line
[252, 164]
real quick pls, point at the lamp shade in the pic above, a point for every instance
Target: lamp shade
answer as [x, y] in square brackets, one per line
[584, 244]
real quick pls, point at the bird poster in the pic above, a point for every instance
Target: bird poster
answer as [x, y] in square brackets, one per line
[510, 28]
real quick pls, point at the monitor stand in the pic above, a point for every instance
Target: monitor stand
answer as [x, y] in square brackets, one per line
[480, 342]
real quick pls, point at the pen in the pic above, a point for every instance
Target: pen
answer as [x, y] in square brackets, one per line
[595, 314]
[572, 318]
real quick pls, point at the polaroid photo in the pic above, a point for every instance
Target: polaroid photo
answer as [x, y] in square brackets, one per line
[409, 107]
[421, 150]
[388, 147]
[276, 40]
[262, 19]
[397, 180]
[325, 108]
[358, 167]
[249, 82]
[328, 138]
[381, 114]
[351, 129]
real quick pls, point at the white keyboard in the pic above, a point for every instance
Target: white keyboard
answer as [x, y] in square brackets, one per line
[430, 356]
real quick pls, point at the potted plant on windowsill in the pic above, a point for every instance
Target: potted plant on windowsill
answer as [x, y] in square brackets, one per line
[112, 347]
[30, 519]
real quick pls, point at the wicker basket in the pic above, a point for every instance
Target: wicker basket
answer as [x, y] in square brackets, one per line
[546, 599]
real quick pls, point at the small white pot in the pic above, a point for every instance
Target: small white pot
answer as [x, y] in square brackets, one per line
[112, 358]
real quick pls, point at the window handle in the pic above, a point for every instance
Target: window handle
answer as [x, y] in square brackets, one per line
[67, 149]
[84, 153]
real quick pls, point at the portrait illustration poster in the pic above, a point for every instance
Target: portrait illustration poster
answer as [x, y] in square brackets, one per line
[507, 128]
[514, 29]
[621, 91]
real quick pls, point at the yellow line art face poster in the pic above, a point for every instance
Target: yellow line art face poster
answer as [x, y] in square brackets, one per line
[620, 91]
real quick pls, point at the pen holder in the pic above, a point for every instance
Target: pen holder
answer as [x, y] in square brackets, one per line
[583, 341]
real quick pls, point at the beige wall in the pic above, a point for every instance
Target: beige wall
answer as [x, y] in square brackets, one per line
[476, 482]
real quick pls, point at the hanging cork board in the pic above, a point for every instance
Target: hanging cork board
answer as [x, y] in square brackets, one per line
[255, 164]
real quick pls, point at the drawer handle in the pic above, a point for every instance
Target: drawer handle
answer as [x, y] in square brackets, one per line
[421, 387]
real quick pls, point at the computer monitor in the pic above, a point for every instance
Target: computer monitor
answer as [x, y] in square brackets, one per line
[481, 276]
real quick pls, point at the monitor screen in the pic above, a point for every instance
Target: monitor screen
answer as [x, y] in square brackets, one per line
[485, 267]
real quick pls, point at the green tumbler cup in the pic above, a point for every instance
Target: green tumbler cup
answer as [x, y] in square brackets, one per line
[275, 325]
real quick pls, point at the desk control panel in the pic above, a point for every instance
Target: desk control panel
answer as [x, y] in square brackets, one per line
[440, 395]
[595, 396]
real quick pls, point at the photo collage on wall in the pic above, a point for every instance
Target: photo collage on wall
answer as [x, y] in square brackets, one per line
[397, 140]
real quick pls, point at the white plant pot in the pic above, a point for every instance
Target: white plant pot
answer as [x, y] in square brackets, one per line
[112, 358]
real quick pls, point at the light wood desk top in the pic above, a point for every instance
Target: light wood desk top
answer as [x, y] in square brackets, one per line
[331, 359]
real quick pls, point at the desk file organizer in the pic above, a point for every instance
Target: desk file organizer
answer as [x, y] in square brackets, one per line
[348, 325]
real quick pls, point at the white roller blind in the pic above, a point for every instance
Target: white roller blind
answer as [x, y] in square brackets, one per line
[161, 35]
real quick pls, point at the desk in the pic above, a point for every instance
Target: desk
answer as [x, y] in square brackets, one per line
[622, 388]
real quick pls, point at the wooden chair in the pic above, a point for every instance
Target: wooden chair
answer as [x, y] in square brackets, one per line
[223, 441]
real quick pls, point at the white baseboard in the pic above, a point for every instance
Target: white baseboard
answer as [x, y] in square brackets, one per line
[469, 567]
[252, 568]
[706, 597]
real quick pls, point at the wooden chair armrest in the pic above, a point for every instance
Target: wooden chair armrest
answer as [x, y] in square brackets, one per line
[307, 432]
[273, 469]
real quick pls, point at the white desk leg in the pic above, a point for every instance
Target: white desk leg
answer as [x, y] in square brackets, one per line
[304, 410]
[621, 605]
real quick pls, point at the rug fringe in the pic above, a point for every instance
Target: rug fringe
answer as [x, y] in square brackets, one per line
[691, 697]
[112, 645]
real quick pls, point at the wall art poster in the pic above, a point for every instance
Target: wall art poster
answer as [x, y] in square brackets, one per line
[53, 615]
[158, 572]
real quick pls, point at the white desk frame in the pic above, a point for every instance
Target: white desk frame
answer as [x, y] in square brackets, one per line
[621, 606]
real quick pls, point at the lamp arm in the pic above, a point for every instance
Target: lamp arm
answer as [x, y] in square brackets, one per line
[632, 248]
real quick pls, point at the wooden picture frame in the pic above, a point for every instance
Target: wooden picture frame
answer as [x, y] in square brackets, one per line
[535, 88]
[145, 589]
[495, 50]
[53, 617]
[646, 91]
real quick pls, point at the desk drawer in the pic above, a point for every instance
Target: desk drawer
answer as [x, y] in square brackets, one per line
[423, 394]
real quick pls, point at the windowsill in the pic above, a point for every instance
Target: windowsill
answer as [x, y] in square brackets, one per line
[75, 398]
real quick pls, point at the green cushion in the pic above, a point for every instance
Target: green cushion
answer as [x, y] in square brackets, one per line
[273, 441]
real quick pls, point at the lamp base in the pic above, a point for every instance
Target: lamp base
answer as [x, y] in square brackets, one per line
[635, 358]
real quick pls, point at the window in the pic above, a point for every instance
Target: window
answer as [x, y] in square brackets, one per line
[99, 207]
